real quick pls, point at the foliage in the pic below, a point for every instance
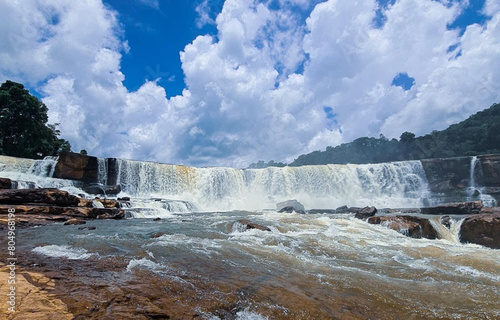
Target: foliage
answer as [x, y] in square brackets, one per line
[24, 131]
[261, 164]
[479, 134]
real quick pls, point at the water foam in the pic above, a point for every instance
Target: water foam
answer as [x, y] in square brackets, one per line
[57, 251]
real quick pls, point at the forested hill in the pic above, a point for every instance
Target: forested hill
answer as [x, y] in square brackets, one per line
[479, 134]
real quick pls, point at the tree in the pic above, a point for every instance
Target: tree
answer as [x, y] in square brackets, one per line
[24, 131]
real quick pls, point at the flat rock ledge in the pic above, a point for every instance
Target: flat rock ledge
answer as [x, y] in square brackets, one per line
[42, 206]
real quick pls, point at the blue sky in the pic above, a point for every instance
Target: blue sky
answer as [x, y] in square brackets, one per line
[230, 82]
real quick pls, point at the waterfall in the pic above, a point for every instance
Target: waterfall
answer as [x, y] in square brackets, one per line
[397, 184]
[102, 174]
[475, 192]
[30, 173]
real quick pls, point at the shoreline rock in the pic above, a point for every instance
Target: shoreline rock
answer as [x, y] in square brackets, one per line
[481, 229]
[462, 208]
[413, 227]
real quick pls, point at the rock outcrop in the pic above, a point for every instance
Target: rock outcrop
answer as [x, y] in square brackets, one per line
[38, 196]
[75, 166]
[473, 207]
[365, 213]
[290, 206]
[41, 206]
[414, 227]
[5, 183]
[481, 229]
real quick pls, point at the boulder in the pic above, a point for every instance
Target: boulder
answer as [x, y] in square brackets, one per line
[74, 222]
[290, 206]
[473, 207]
[410, 226]
[5, 183]
[366, 212]
[76, 166]
[38, 196]
[247, 225]
[481, 229]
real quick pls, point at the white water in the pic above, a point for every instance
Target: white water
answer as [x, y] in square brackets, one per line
[475, 192]
[29, 173]
[398, 184]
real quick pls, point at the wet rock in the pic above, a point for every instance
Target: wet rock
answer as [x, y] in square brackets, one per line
[291, 209]
[446, 221]
[410, 226]
[109, 203]
[290, 206]
[490, 165]
[481, 229]
[38, 196]
[250, 225]
[76, 166]
[5, 183]
[473, 207]
[329, 211]
[103, 189]
[86, 228]
[341, 208]
[77, 212]
[157, 235]
[73, 222]
[366, 212]
[157, 219]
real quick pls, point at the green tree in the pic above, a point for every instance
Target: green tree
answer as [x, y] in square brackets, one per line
[24, 131]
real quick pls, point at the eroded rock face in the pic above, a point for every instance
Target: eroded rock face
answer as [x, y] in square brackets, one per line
[75, 166]
[482, 229]
[490, 165]
[38, 196]
[410, 226]
[473, 207]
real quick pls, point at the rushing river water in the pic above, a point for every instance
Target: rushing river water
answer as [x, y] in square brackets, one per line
[321, 260]
[312, 266]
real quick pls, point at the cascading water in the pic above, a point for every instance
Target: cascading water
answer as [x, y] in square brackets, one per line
[30, 173]
[475, 192]
[398, 184]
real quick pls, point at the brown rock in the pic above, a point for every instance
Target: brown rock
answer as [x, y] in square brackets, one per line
[76, 166]
[5, 183]
[473, 207]
[250, 225]
[73, 222]
[38, 196]
[410, 226]
[366, 212]
[78, 212]
[109, 203]
[490, 165]
[481, 229]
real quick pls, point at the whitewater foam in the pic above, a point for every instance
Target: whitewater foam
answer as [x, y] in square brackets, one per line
[57, 251]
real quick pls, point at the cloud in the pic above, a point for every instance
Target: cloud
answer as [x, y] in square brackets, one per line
[155, 4]
[277, 80]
